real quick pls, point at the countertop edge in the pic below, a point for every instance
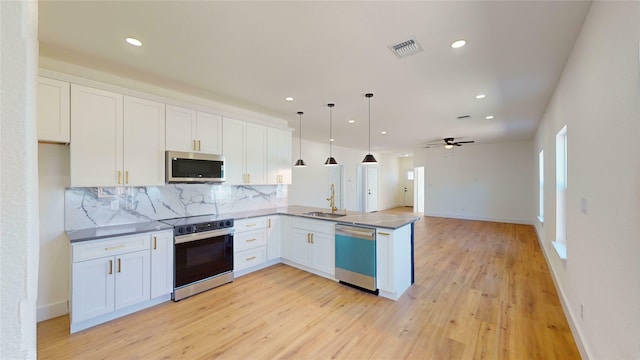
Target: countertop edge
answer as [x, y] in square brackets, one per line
[81, 235]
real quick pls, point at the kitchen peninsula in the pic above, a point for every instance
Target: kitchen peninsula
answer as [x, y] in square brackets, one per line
[263, 238]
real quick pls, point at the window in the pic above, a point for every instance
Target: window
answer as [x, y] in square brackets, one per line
[410, 175]
[561, 193]
[541, 186]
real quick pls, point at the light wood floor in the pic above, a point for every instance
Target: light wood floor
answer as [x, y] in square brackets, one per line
[482, 291]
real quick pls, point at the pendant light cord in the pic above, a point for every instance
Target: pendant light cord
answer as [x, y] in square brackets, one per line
[369, 124]
[300, 135]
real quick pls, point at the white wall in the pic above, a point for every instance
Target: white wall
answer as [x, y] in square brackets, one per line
[53, 280]
[19, 182]
[598, 98]
[310, 185]
[490, 182]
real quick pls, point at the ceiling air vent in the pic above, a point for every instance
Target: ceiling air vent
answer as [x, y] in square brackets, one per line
[405, 48]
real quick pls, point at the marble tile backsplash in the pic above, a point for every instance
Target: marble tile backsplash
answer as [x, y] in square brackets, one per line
[103, 206]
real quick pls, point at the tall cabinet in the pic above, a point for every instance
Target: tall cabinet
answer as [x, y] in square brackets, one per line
[115, 140]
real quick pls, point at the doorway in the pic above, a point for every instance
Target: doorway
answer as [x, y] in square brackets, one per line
[408, 188]
[367, 188]
[418, 187]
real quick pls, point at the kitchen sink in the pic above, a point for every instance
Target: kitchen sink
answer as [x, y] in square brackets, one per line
[323, 214]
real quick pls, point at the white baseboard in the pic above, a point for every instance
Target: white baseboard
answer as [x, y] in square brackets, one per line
[479, 218]
[51, 311]
[585, 353]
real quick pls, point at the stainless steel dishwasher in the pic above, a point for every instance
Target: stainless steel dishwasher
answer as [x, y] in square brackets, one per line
[356, 257]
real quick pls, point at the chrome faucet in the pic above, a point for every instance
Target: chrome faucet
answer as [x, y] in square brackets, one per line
[332, 199]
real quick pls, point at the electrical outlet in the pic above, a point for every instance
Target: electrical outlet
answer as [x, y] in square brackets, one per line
[115, 204]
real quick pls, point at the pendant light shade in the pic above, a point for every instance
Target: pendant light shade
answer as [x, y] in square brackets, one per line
[330, 160]
[369, 158]
[300, 162]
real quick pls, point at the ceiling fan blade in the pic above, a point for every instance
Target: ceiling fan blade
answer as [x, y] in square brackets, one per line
[465, 142]
[456, 144]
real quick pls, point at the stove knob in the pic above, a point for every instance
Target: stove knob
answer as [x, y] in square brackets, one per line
[228, 223]
[181, 230]
[221, 224]
[189, 229]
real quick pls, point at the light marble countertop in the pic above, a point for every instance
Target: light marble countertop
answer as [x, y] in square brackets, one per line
[116, 230]
[374, 220]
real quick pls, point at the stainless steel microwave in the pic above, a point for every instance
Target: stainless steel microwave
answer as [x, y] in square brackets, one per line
[186, 167]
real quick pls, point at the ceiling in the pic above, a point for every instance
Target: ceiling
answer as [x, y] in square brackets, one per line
[254, 54]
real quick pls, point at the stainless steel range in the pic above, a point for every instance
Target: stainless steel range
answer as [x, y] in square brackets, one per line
[203, 254]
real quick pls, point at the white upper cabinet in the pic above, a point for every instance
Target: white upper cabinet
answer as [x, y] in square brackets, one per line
[96, 137]
[53, 110]
[116, 140]
[278, 156]
[244, 149]
[193, 131]
[144, 132]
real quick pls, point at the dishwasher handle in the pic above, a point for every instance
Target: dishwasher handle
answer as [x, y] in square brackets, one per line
[356, 232]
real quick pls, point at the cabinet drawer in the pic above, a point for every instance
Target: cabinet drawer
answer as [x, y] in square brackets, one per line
[109, 247]
[248, 258]
[250, 224]
[327, 227]
[249, 240]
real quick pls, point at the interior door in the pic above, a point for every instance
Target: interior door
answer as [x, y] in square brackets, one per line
[371, 189]
[408, 187]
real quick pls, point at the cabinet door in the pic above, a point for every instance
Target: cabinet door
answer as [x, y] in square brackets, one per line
[96, 137]
[323, 252]
[161, 263]
[92, 288]
[209, 133]
[278, 156]
[384, 261]
[133, 278]
[285, 238]
[256, 154]
[144, 128]
[233, 150]
[274, 237]
[53, 110]
[300, 242]
[180, 129]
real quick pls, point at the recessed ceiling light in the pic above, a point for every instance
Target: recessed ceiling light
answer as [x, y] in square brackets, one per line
[351, 121]
[133, 41]
[288, 98]
[458, 44]
[405, 155]
[383, 132]
[489, 117]
[332, 139]
[481, 96]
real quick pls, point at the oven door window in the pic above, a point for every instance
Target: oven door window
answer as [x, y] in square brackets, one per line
[202, 259]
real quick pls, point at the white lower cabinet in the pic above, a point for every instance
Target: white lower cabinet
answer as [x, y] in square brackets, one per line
[312, 245]
[249, 244]
[393, 261]
[113, 277]
[274, 235]
[161, 263]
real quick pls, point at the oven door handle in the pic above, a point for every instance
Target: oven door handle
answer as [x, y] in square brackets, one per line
[203, 235]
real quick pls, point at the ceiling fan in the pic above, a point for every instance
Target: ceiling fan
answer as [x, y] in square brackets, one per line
[448, 143]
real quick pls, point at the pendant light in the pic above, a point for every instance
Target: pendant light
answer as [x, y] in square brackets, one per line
[369, 159]
[330, 160]
[300, 162]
